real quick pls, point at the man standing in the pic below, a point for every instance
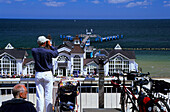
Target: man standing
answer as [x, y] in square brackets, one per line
[43, 77]
[18, 103]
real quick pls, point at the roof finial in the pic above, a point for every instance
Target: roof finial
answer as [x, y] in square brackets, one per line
[9, 46]
[118, 47]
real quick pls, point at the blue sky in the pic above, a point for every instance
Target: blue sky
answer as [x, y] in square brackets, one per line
[85, 9]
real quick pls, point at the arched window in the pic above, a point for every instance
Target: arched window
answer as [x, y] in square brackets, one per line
[62, 59]
[8, 65]
[77, 63]
[118, 64]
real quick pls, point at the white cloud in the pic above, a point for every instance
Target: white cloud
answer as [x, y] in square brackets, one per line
[133, 4]
[96, 1]
[6, 1]
[19, 0]
[54, 4]
[73, 0]
[9, 2]
[119, 1]
[166, 3]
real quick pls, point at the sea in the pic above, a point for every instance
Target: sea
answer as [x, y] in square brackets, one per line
[141, 33]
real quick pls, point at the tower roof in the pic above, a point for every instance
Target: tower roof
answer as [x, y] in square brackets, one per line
[65, 39]
[76, 38]
[77, 49]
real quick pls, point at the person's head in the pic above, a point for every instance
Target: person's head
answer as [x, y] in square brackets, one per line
[19, 91]
[42, 41]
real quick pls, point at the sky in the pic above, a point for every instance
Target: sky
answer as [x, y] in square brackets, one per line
[85, 9]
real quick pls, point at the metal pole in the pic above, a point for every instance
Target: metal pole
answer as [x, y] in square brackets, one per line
[80, 97]
[111, 97]
[101, 87]
[116, 97]
[101, 58]
[28, 90]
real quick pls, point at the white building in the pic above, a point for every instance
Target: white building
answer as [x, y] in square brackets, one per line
[72, 58]
[11, 60]
[75, 59]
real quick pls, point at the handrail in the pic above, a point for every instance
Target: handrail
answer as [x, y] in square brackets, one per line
[55, 79]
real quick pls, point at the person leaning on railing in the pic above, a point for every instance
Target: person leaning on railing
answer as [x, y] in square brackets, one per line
[43, 76]
[18, 103]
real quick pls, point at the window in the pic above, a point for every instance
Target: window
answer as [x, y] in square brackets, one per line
[60, 72]
[77, 63]
[13, 67]
[30, 69]
[118, 64]
[62, 59]
[92, 68]
[68, 72]
[56, 72]
[8, 65]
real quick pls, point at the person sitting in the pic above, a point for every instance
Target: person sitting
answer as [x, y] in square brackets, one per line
[18, 103]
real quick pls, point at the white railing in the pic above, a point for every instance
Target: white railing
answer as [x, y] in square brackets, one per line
[86, 99]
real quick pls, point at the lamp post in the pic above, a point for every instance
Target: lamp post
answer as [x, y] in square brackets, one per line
[101, 58]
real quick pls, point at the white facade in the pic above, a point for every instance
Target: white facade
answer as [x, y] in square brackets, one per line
[19, 66]
[7, 62]
[76, 62]
[72, 60]
[11, 61]
[28, 69]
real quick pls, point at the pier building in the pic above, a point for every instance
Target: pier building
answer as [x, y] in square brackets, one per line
[74, 58]
[11, 60]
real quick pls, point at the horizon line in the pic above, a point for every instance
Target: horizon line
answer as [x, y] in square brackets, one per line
[86, 19]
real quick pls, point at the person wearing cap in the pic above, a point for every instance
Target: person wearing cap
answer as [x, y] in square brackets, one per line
[43, 76]
[18, 103]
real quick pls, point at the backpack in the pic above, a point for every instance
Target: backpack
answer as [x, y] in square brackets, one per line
[145, 104]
